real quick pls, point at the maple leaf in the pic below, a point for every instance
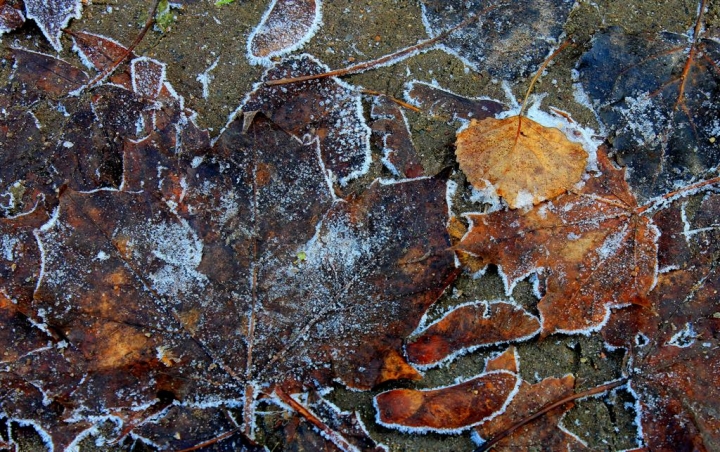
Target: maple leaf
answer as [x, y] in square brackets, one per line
[156, 295]
[672, 342]
[452, 408]
[655, 93]
[592, 248]
[286, 26]
[545, 430]
[510, 39]
[525, 161]
[52, 16]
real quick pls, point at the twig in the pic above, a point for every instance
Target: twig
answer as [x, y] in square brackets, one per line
[328, 433]
[402, 103]
[107, 71]
[590, 392]
[399, 55]
[210, 442]
[679, 193]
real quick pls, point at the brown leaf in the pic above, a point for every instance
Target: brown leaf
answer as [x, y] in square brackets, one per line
[11, 16]
[439, 102]
[592, 247]
[469, 326]
[544, 430]
[285, 26]
[526, 162]
[52, 16]
[449, 409]
[326, 109]
[673, 341]
[390, 133]
[235, 271]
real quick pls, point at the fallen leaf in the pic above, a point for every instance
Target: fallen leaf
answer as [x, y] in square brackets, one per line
[525, 161]
[445, 104]
[509, 41]
[11, 16]
[469, 326]
[656, 95]
[392, 135]
[52, 16]
[141, 282]
[286, 26]
[672, 342]
[299, 434]
[326, 109]
[546, 429]
[450, 409]
[591, 247]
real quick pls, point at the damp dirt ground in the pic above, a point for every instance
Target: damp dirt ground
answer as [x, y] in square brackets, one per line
[202, 34]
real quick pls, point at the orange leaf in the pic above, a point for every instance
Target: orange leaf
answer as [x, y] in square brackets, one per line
[525, 161]
[593, 248]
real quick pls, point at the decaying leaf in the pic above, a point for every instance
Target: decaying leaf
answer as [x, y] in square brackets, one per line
[591, 246]
[141, 282]
[544, 431]
[470, 326]
[657, 95]
[444, 104]
[52, 16]
[509, 40]
[327, 109]
[525, 161]
[452, 408]
[11, 15]
[286, 26]
[674, 341]
[391, 134]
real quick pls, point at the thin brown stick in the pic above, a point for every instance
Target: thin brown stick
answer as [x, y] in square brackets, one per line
[685, 191]
[329, 433]
[210, 442]
[541, 70]
[399, 55]
[107, 71]
[401, 103]
[691, 56]
[590, 392]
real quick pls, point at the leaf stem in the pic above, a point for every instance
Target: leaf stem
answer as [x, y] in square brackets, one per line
[399, 55]
[679, 193]
[327, 432]
[107, 71]
[580, 395]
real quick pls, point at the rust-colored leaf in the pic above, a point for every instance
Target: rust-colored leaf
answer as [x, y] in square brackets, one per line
[286, 26]
[673, 341]
[526, 162]
[449, 409]
[545, 430]
[469, 326]
[593, 248]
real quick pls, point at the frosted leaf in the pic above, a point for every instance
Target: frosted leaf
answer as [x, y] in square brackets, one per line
[508, 41]
[52, 16]
[286, 26]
